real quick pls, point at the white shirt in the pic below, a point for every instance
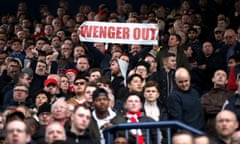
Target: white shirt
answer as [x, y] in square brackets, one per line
[101, 122]
[152, 110]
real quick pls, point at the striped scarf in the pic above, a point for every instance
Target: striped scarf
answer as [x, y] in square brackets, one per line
[133, 118]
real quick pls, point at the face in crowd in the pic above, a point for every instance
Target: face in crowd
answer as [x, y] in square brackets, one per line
[54, 131]
[182, 78]
[16, 132]
[226, 123]
[151, 93]
[59, 110]
[133, 103]
[81, 119]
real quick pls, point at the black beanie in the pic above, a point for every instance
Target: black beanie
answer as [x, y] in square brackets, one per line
[45, 107]
[99, 92]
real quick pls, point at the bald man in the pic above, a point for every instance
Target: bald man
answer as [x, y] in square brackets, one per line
[120, 140]
[184, 102]
[202, 139]
[182, 137]
[55, 131]
[226, 124]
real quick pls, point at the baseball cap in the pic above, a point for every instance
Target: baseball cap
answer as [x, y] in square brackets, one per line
[50, 81]
[15, 114]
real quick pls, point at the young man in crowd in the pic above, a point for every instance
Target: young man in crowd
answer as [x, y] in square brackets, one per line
[213, 100]
[102, 113]
[79, 131]
[133, 105]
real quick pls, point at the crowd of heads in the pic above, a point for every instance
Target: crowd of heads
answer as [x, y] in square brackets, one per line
[50, 78]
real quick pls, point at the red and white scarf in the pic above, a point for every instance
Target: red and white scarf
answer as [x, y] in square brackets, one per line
[133, 118]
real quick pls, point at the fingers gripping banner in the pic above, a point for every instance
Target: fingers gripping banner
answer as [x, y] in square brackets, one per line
[124, 33]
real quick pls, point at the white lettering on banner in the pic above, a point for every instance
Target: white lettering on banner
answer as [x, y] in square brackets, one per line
[125, 33]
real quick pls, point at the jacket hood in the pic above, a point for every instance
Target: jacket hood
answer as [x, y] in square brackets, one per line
[123, 65]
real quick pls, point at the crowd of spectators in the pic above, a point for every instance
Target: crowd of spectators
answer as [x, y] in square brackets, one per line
[56, 89]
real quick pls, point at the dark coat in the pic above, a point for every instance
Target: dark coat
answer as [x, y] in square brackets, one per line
[37, 83]
[117, 83]
[196, 47]
[225, 51]
[54, 67]
[217, 140]
[87, 138]
[39, 135]
[135, 58]
[4, 80]
[97, 58]
[212, 103]
[164, 116]
[8, 101]
[165, 81]
[93, 127]
[119, 99]
[185, 106]
[213, 63]
[8, 87]
[233, 104]
[62, 61]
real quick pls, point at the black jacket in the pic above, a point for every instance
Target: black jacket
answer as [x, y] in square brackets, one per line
[37, 83]
[87, 138]
[165, 81]
[4, 80]
[214, 62]
[8, 101]
[39, 135]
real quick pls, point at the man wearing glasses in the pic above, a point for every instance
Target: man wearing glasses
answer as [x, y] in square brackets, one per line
[22, 77]
[232, 45]
[20, 96]
[60, 111]
[80, 84]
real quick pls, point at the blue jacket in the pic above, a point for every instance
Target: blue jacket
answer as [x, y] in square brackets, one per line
[8, 101]
[233, 104]
[185, 106]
